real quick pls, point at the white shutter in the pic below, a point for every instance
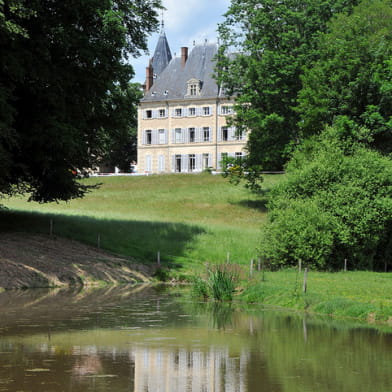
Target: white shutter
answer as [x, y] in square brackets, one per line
[166, 136]
[184, 112]
[209, 160]
[161, 163]
[184, 163]
[173, 168]
[218, 161]
[143, 137]
[147, 163]
[219, 134]
[199, 162]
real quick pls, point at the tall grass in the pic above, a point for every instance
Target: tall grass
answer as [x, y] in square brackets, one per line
[219, 284]
[189, 219]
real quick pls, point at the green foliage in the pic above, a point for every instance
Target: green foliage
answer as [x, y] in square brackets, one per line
[64, 88]
[220, 283]
[335, 204]
[120, 147]
[272, 41]
[353, 76]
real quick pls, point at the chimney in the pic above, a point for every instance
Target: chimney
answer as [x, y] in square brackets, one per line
[149, 76]
[184, 56]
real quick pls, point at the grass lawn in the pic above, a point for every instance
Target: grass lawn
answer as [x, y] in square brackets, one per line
[356, 294]
[189, 219]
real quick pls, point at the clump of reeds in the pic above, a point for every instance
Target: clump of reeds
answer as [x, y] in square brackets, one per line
[219, 284]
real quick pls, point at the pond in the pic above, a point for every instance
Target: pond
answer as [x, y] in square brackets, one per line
[152, 339]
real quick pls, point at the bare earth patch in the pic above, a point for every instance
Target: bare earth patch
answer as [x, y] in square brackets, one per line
[32, 260]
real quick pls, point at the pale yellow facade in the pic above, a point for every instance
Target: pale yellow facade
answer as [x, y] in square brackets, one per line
[189, 135]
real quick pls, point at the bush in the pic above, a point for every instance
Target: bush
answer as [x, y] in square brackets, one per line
[335, 204]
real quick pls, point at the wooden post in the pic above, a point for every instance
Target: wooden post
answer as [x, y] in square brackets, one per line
[159, 258]
[345, 265]
[300, 266]
[251, 267]
[258, 264]
[99, 241]
[51, 227]
[305, 280]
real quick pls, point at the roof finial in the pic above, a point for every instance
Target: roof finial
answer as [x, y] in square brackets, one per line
[162, 23]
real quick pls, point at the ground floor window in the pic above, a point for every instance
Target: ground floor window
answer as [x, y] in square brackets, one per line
[191, 162]
[148, 164]
[178, 161]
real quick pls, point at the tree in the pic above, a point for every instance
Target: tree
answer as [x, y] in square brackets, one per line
[272, 41]
[121, 145]
[63, 72]
[353, 76]
[334, 204]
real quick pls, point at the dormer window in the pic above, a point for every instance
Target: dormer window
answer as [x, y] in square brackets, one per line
[193, 87]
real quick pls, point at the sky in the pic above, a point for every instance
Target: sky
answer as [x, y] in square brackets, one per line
[185, 21]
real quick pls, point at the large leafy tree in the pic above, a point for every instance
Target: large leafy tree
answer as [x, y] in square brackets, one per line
[64, 71]
[272, 41]
[353, 76]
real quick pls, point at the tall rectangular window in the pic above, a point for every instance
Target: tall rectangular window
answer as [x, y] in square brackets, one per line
[161, 136]
[148, 139]
[177, 162]
[192, 135]
[162, 112]
[178, 112]
[192, 162]
[205, 161]
[148, 114]
[148, 163]
[206, 134]
[178, 135]
[206, 110]
[161, 163]
[225, 133]
[192, 111]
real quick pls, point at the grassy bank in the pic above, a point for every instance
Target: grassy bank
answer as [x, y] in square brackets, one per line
[361, 295]
[189, 219]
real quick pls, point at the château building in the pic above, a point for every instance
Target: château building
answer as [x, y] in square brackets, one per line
[182, 118]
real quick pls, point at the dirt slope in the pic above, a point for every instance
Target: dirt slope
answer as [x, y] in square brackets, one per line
[28, 260]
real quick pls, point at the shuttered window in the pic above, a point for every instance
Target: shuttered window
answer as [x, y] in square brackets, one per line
[147, 163]
[161, 163]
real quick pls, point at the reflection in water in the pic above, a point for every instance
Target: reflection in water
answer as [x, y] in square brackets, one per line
[143, 339]
[193, 371]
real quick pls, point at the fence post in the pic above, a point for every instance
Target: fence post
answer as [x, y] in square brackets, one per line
[251, 267]
[345, 265]
[299, 266]
[258, 264]
[159, 259]
[305, 280]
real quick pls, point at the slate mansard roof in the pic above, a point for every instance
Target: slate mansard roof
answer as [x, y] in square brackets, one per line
[172, 82]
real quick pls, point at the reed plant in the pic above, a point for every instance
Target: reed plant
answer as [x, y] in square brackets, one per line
[219, 284]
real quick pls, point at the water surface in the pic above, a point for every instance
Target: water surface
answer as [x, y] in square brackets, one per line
[151, 339]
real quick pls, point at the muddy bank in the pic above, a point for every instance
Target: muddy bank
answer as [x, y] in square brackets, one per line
[28, 260]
